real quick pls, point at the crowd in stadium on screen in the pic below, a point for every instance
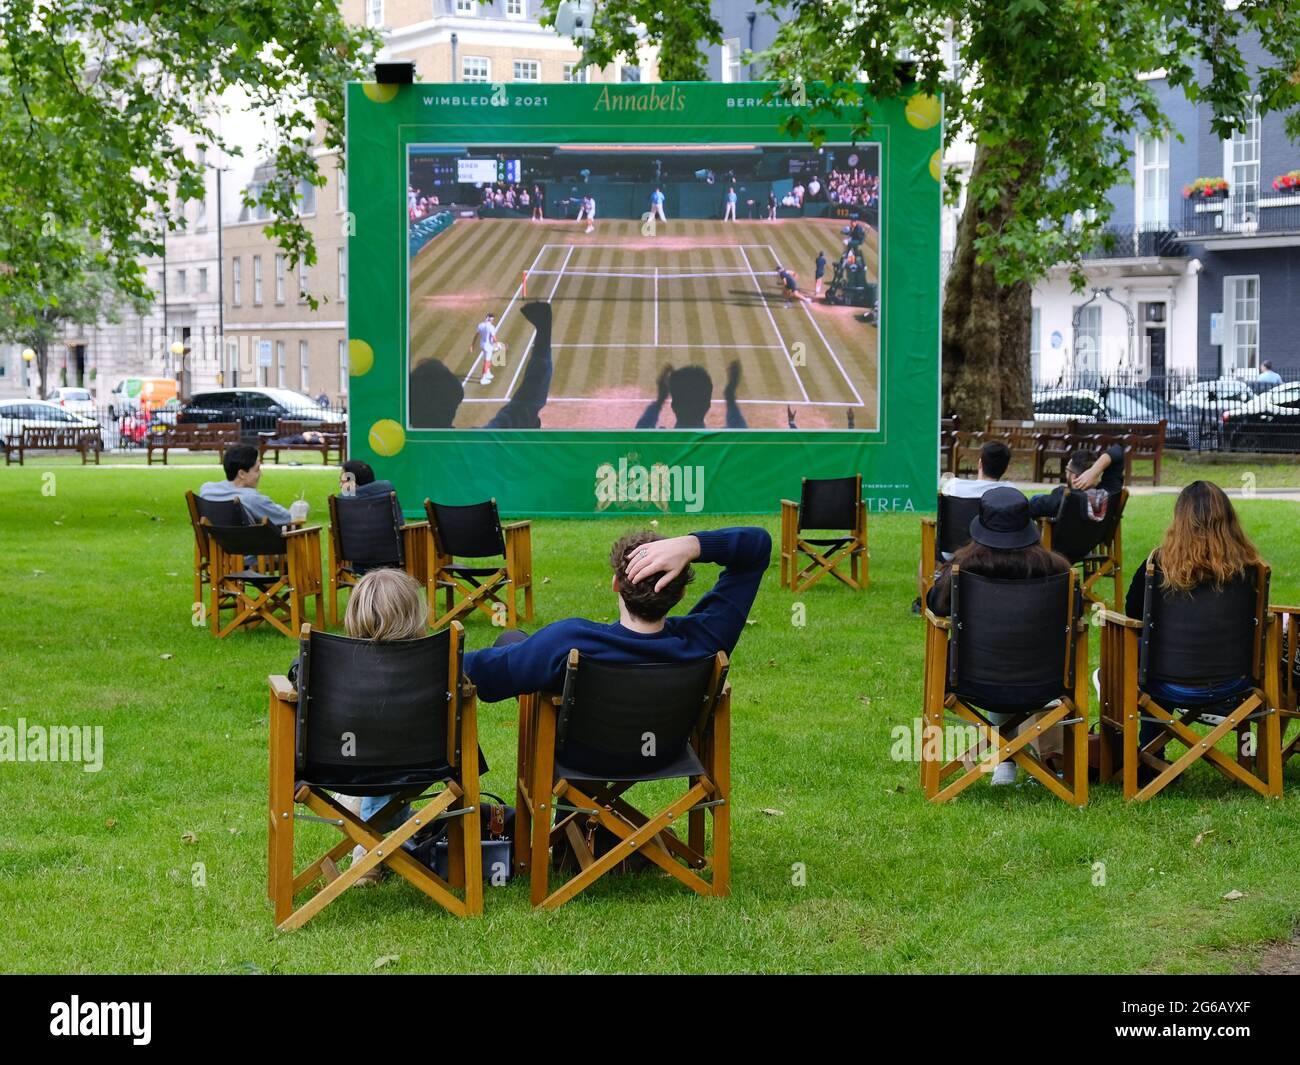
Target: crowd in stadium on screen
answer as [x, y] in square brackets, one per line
[853, 188]
[511, 195]
[418, 205]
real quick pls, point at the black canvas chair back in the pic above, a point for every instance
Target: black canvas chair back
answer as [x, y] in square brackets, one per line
[613, 712]
[393, 699]
[1012, 638]
[262, 539]
[227, 512]
[1211, 634]
[369, 531]
[472, 531]
[1074, 535]
[829, 504]
[952, 527]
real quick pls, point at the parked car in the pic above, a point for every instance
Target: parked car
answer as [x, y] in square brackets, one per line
[255, 409]
[1108, 405]
[1214, 395]
[19, 414]
[1269, 422]
[77, 400]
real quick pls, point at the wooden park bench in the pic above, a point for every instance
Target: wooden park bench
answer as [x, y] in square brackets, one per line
[1024, 438]
[335, 436]
[194, 436]
[1142, 441]
[85, 441]
[947, 438]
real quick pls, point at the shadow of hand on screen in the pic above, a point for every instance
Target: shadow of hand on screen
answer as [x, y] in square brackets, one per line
[437, 393]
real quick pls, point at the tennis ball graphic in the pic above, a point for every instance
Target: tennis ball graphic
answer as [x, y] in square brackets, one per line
[361, 357]
[936, 171]
[923, 111]
[387, 438]
[381, 94]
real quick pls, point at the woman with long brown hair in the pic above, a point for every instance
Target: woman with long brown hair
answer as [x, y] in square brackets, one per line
[1204, 544]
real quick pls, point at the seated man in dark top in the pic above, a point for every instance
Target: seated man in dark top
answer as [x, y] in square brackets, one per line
[650, 577]
[1086, 471]
[361, 478]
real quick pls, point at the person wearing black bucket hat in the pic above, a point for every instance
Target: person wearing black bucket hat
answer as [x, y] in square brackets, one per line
[1005, 545]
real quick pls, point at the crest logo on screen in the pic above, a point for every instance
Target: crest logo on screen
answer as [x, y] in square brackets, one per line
[629, 482]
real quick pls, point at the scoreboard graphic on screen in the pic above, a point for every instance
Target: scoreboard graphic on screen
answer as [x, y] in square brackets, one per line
[579, 283]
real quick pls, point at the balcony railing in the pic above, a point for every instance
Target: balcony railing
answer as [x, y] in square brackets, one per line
[1135, 242]
[1273, 214]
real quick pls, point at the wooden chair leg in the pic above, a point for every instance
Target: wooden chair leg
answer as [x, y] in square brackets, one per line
[542, 786]
[523, 782]
[720, 745]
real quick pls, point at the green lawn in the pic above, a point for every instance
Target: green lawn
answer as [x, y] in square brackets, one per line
[95, 868]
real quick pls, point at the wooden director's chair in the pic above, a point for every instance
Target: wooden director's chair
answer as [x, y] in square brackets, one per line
[218, 512]
[366, 532]
[1015, 647]
[1288, 617]
[825, 504]
[411, 714]
[1096, 547]
[944, 534]
[1193, 639]
[278, 597]
[616, 725]
[475, 531]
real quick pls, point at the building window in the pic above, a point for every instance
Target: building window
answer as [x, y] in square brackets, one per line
[374, 12]
[281, 369]
[306, 197]
[203, 279]
[236, 281]
[475, 68]
[515, 9]
[257, 280]
[304, 283]
[528, 70]
[343, 368]
[1241, 322]
[575, 74]
[1087, 337]
[341, 187]
[1153, 182]
[1241, 163]
[304, 369]
[343, 274]
[279, 279]
[467, 7]
[731, 59]
[180, 281]
[630, 74]
[1035, 345]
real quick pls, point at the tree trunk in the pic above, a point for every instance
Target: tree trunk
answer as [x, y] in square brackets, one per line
[42, 365]
[986, 367]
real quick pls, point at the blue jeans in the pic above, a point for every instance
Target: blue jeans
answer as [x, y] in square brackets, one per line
[1187, 697]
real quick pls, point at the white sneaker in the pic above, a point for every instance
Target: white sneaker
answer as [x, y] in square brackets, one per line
[486, 379]
[591, 229]
[1005, 773]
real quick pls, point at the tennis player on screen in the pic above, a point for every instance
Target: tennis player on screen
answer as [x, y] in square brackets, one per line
[486, 336]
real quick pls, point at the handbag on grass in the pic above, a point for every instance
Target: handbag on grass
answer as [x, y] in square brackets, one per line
[497, 829]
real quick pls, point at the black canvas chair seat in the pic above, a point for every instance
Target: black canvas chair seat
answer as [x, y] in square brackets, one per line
[825, 505]
[1208, 637]
[368, 533]
[222, 511]
[1096, 547]
[374, 719]
[945, 534]
[475, 532]
[581, 751]
[252, 576]
[1017, 647]
[686, 764]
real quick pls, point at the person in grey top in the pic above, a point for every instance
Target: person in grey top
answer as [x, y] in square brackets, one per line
[243, 466]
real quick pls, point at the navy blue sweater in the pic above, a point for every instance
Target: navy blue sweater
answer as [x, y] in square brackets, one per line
[714, 624]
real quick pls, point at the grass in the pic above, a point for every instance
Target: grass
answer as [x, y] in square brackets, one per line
[96, 869]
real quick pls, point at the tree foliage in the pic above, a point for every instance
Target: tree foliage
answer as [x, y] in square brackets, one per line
[98, 98]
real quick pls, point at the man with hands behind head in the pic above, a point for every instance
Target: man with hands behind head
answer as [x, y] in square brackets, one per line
[650, 575]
